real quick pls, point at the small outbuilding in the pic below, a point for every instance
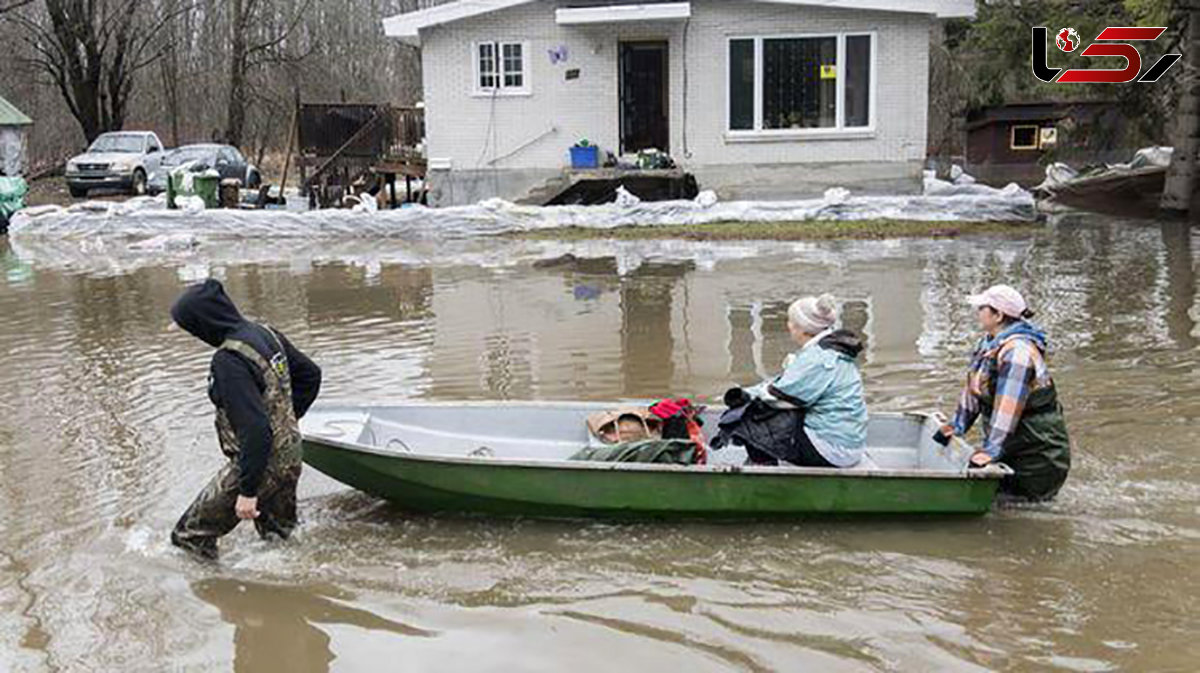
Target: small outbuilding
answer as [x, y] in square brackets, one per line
[1014, 142]
[14, 127]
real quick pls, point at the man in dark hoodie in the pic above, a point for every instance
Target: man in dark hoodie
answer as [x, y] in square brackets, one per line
[261, 385]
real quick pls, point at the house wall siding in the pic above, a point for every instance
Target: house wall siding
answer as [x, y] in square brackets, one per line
[532, 134]
[902, 82]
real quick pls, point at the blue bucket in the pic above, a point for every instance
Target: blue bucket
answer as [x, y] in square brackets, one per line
[585, 157]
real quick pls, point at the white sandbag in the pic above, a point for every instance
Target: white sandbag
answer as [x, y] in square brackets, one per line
[369, 204]
[1059, 175]
[1152, 156]
[626, 198]
[706, 199]
[836, 196]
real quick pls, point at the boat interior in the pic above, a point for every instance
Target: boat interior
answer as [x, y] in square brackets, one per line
[555, 431]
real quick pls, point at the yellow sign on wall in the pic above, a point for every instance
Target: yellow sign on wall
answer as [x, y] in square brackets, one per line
[829, 72]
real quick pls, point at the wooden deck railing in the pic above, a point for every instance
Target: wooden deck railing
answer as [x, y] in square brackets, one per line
[364, 135]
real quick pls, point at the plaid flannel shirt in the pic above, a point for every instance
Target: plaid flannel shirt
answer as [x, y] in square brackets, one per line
[1006, 373]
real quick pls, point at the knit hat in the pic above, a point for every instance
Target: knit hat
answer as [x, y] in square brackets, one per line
[814, 315]
[1003, 298]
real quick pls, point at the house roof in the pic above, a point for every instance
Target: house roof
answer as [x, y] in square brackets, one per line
[11, 116]
[408, 26]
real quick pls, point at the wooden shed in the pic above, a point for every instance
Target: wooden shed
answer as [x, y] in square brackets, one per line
[1014, 142]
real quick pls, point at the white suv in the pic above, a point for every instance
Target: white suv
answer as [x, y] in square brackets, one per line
[122, 160]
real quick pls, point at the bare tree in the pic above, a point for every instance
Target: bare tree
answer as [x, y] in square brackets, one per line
[169, 72]
[92, 51]
[222, 69]
[9, 5]
[246, 16]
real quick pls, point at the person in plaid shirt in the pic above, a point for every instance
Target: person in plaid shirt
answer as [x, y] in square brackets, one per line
[1009, 386]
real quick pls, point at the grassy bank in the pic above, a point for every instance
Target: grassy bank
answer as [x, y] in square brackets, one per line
[805, 230]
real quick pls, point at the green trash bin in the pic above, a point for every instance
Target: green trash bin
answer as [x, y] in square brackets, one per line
[207, 187]
[12, 199]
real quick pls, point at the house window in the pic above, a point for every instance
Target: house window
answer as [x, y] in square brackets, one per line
[514, 66]
[741, 85]
[798, 90]
[501, 67]
[858, 80]
[1024, 138]
[487, 66]
[795, 83]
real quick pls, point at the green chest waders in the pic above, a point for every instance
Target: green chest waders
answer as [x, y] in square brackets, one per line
[1039, 450]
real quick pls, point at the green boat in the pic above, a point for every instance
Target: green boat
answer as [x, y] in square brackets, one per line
[512, 459]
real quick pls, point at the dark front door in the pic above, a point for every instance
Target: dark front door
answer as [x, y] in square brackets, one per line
[644, 95]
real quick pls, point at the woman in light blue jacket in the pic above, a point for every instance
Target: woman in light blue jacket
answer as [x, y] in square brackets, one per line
[813, 414]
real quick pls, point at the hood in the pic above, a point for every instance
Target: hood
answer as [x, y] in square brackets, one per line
[207, 313]
[1024, 330]
[106, 157]
[843, 341]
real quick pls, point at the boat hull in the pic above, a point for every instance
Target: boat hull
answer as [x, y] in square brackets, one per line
[623, 491]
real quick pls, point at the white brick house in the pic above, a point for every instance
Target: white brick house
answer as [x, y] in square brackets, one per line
[757, 98]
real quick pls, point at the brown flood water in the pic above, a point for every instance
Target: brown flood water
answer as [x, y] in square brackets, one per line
[105, 436]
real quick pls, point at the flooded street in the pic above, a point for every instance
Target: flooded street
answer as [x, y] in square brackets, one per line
[106, 435]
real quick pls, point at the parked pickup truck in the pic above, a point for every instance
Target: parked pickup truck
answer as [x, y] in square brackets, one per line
[122, 160]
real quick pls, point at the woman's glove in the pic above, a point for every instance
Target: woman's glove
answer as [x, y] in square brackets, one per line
[736, 397]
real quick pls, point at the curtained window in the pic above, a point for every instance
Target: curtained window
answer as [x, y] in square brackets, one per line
[796, 83]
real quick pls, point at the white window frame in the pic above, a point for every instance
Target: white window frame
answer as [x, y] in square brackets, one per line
[501, 90]
[758, 133]
[1012, 137]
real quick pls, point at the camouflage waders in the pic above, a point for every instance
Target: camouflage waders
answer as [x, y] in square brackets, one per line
[211, 515]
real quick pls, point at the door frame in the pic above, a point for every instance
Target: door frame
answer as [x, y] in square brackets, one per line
[666, 79]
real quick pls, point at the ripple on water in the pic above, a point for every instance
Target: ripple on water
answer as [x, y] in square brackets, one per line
[105, 435]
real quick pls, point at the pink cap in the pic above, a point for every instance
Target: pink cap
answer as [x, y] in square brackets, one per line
[1002, 298]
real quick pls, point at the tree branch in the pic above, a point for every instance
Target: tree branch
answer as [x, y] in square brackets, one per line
[7, 6]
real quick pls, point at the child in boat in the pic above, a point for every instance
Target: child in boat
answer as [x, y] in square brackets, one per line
[820, 391]
[1009, 386]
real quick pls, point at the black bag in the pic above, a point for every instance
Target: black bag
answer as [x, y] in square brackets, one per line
[770, 434]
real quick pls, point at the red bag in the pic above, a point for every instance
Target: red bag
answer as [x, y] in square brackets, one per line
[667, 409]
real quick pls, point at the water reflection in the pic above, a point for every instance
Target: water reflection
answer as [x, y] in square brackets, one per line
[648, 298]
[105, 436]
[1181, 283]
[287, 629]
[16, 271]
